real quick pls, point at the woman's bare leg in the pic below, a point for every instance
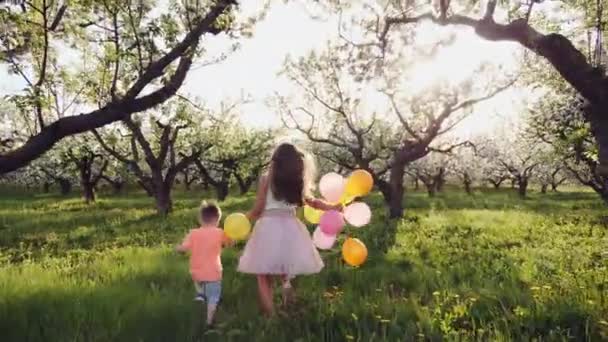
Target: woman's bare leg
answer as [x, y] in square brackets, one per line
[265, 294]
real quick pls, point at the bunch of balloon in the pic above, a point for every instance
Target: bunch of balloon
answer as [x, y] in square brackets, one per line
[336, 189]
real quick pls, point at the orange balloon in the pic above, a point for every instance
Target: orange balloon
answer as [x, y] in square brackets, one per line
[359, 183]
[354, 252]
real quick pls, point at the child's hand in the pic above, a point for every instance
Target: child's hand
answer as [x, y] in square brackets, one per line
[180, 249]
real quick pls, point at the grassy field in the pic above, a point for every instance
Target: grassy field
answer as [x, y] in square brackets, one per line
[486, 267]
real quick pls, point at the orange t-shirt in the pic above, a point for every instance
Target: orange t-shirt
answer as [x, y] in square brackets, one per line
[205, 246]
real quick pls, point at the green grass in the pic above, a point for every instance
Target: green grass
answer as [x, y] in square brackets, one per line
[486, 267]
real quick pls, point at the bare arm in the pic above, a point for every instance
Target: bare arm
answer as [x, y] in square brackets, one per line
[260, 199]
[322, 205]
[185, 245]
[227, 242]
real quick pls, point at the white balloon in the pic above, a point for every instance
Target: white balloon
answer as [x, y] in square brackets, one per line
[322, 240]
[358, 214]
[331, 186]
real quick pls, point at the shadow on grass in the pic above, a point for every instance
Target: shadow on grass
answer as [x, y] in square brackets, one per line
[401, 296]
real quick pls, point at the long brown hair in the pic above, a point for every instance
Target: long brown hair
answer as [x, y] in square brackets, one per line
[289, 174]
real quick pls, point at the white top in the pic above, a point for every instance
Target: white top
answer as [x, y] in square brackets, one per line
[273, 203]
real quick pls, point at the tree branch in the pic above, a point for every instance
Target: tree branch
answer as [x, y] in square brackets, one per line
[108, 149]
[123, 108]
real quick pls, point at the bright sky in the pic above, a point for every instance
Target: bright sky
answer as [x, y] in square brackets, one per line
[289, 29]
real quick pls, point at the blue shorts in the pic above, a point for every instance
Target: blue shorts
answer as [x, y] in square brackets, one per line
[211, 290]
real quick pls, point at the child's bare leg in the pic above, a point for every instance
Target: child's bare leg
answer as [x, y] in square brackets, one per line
[265, 294]
[197, 287]
[211, 309]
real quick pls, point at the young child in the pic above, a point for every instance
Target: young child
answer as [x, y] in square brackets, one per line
[205, 246]
[280, 245]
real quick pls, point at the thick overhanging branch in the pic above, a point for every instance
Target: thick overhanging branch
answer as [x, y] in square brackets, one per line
[449, 149]
[119, 109]
[556, 48]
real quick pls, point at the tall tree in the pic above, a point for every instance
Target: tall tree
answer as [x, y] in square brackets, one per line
[238, 154]
[516, 155]
[558, 120]
[53, 167]
[125, 47]
[336, 86]
[586, 73]
[467, 166]
[90, 163]
[169, 140]
[431, 171]
[330, 112]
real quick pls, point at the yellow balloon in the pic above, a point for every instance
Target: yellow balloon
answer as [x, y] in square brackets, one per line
[354, 252]
[312, 215]
[237, 226]
[359, 183]
[300, 213]
[346, 198]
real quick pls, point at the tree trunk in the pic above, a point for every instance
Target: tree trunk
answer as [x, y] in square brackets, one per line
[522, 187]
[604, 196]
[440, 180]
[431, 189]
[147, 188]
[596, 115]
[122, 107]
[554, 186]
[244, 188]
[467, 183]
[467, 187]
[46, 187]
[513, 183]
[205, 185]
[416, 184]
[396, 190]
[117, 186]
[496, 185]
[164, 205]
[87, 185]
[221, 191]
[244, 185]
[65, 186]
[88, 192]
[543, 188]
[385, 189]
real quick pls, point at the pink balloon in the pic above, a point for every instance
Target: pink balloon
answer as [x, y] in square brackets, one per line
[358, 214]
[332, 186]
[331, 222]
[322, 240]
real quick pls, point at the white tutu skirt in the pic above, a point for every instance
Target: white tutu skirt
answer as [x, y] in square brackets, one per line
[280, 244]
